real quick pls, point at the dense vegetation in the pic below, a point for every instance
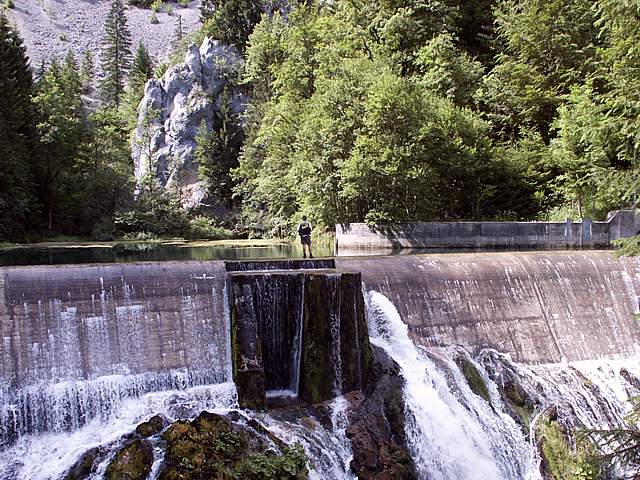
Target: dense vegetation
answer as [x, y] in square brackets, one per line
[377, 111]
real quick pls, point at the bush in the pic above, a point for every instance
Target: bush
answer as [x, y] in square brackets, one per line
[156, 211]
[204, 228]
[169, 10]
[156, 5]
[9, 4]
[183, 3]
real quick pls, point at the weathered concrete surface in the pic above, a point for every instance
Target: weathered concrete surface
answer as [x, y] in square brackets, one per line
[541, 235]
[538, 306]
[302, 331]
[82, 322]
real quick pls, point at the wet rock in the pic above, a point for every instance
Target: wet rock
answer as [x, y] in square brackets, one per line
[474, 379]
[151, 427]
[216, 447]
[377, 425]
[132, 462]
[84, 467]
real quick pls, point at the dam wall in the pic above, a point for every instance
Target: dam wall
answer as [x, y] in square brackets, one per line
[78, 339]
[528, 235]
[539, 307]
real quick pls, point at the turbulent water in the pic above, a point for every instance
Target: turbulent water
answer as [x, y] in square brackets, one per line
[453, 433]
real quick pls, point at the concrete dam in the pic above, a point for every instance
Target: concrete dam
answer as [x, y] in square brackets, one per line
[81, 343]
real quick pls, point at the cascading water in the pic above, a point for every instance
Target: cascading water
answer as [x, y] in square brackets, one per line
[48, 456]
[449, 439]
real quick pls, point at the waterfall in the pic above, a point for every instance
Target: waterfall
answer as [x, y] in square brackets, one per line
[48, 456]
[448, 439]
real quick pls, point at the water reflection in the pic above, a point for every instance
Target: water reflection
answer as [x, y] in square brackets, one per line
[142, 252]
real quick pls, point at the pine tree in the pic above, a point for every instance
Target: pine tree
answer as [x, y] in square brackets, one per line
[116, 54]
[87, 71]
[141, 71]
[142, 68]
[17, 124]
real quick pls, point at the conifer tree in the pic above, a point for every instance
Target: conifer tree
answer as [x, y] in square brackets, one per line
[142, 68]
[141, 71]
[116, 54]
[87, 70]
[17, 204]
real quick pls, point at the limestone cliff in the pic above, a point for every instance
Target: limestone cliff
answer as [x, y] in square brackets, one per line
[173, 109]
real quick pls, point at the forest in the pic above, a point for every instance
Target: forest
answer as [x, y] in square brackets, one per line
[374, 111]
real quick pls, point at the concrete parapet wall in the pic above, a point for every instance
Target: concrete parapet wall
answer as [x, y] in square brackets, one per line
[543, 235]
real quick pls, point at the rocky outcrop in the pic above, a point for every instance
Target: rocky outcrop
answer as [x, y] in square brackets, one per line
[173, 109]
[213, 446]
[377, 425]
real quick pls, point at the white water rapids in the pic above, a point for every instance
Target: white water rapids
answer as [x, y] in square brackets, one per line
[453, 434]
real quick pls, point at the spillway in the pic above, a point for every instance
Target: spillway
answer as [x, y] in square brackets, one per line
[91, 346]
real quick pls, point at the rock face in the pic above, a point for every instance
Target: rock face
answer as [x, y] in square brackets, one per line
[173, 109]
[377, 424]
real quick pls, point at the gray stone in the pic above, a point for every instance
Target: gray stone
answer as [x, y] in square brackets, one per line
[172, 110]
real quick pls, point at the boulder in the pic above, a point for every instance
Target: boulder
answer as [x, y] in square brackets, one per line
[132, 462]
[377, 425]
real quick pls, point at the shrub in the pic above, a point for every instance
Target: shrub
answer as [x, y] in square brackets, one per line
[156, 5]
[204, 228]
[169, 10]
[183, 3]
[156, 211]
[9, 4]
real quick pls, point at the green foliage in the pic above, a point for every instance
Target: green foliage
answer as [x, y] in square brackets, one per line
[342, 136]
[87, 71]
[217, 152]
[230, 21]
[621, 446]
[291, 465]
[116, 53]
[156, 211]
[156, 6]
[202, 227]
[9, 4]
[564, 461]
[141, 71]
[17, 134]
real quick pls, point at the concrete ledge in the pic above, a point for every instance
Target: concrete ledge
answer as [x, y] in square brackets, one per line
[542, 235]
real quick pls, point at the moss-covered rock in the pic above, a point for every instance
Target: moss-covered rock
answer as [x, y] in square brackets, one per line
[85, 465]
[473, 377]
[151, 427]
[377, 425]
[215, 447]
[132, 462]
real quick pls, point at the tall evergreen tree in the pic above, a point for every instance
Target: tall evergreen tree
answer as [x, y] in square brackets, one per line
[60, 129]
[116, 54]
[141, 71]
[16, 135]
[87, 70]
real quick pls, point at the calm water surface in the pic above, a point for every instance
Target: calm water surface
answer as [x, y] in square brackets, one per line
[143, 252]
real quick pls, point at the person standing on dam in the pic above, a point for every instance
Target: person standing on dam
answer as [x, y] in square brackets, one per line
[304, 230]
